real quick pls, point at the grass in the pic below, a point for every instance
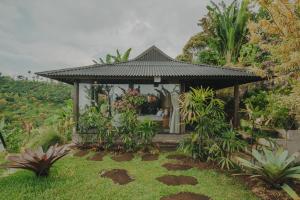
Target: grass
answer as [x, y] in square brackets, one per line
[78, 178]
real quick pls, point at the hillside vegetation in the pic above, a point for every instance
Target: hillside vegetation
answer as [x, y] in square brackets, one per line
[28, 108]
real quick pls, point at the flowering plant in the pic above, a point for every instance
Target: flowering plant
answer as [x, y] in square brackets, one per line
[132, 99]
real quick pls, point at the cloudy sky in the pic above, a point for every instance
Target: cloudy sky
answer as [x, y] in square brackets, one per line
[43, 35]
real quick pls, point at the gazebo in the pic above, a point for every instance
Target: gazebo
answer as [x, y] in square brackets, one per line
[155, 70]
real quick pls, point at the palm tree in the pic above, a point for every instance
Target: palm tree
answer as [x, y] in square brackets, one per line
[230, 28]
[109, 59]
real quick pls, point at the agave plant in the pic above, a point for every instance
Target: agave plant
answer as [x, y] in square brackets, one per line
[276, 168]
[38, 161]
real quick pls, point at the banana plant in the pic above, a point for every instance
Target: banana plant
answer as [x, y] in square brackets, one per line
[276, 168]
[110, 59]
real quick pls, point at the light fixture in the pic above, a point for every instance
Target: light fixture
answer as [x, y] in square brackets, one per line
[157, 80]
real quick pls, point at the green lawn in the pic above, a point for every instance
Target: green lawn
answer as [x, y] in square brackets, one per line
[77, 178]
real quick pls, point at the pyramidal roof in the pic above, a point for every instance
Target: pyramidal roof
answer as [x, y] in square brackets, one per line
[153, 54]
[151, 63]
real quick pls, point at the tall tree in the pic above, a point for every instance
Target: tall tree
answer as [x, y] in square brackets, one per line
[279, 33]
[109, 59]
[224, 31]
[196, 43]
[229, 26]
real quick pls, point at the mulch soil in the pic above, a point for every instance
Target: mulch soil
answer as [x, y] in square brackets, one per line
[176, 166]
[123, 157]
[150, 157]
[179, 157]
[177, 180]
[97, 156]
[186, 160]
[81, 153]
[119, 176]
[262, 190]
[186, 196]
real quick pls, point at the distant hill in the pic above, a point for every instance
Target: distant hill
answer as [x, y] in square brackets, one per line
[25, 101]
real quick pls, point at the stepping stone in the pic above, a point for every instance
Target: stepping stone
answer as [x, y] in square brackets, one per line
[97, 156]
[118, 176]
[150, 157]
[176, 166]
[177, 180]
[123, 157]
[186, 196]
[81, 153]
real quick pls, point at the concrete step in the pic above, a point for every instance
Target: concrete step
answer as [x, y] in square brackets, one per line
[166, 146]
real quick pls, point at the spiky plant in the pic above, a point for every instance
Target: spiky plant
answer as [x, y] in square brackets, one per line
[276, 168]
[38, 161]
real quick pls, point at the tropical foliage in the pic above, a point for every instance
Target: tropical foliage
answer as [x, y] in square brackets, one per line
[276, 168]
[212, 139]
[38, 161]
[109, 59]
[28, 107]
[224, 33]
[266, 109]
[229, 25]
[123, 126]
[278, 32]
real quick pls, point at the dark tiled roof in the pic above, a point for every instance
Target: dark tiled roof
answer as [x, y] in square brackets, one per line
[152, 62]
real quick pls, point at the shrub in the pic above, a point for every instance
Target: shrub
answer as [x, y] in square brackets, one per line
[212, 139]
[90, 120]
[147, 129]
[210, 57]
[38, 161]
[14, 139]
[274, 167]
[128, 129]
[266, 109]
[201, 109]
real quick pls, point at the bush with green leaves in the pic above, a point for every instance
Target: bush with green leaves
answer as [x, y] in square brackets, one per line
[274, 167]
[15, 139]
[94, 121]
[265, 108]
[146, 129]
[252, 55]
[128, 129]
[201, 109]
[210, 57]
[212, 139]
[90, 120]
